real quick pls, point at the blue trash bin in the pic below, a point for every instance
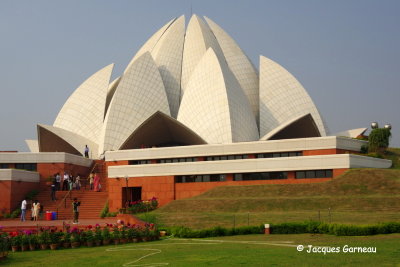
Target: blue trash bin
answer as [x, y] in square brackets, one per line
[54, 215]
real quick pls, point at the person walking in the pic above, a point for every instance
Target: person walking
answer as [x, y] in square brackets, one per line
[23, 210]
[53, 192]
[75, 210]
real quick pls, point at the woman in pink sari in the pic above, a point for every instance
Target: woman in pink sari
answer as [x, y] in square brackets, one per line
[96, 183]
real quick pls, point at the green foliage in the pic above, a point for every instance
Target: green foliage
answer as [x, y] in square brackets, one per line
[44, 237]
[32, 194]
[4, 242]
[378, 139]
[185, 232]
[143, 205]
[104, 211]
[312, 227]
[364, 149]
[106, 235]
[15, 214]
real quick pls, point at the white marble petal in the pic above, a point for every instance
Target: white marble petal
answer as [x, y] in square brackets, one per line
[83, 113]
[167, 54]
[33, 145]
[214, 106]
[198, 39]
[283, 98]
[239, 64]
[139, 95]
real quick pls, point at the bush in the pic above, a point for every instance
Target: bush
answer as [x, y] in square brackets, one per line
[185, 232]
[104, 211]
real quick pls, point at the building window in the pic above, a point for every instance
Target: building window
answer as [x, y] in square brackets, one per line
[280, 154]
[259, 176]
[314, 174]
[26, 166]
[4, 166]
[200, 178]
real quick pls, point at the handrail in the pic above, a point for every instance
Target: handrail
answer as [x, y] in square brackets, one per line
[64, 199]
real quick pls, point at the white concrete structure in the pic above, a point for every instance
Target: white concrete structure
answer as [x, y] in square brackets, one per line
[19, 176]
[44, 157]
[283, 98]
[83, 113]
[33, 145]
[214, 105]
[139, 95]
[192, 87]
[338, 161]
[239, 64]
[354, 133]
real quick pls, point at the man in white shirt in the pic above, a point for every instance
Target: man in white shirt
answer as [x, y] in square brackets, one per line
[23, 210]
[65, 181]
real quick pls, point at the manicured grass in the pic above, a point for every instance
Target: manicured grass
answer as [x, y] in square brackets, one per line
[253, 250]
[360, 196]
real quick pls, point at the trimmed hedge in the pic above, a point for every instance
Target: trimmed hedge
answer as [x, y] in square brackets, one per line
[290, 228]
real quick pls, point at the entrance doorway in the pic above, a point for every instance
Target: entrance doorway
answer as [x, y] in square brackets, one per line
[130, 194]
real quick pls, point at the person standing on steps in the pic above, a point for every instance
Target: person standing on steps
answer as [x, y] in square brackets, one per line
[91, 180]
[86, 151]
[75, 210]
[23, 210]
[36, 210]
[96, 183]
[53, 192]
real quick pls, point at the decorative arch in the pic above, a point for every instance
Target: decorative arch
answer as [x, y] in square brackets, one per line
[303, 126]
[162, 130]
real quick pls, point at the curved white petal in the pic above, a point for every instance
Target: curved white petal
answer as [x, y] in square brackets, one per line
[110, 93]
[283, 98]
[167, 54]
[214, 105]
[139, 95]
[54, 139]
[197, 40]
[353, 133]
[83, 113]
[239, 64]
[33, 145]
[150, 43]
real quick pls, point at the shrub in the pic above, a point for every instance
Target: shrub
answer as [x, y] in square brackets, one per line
[378, 139]
[104, 211]
[143, 205]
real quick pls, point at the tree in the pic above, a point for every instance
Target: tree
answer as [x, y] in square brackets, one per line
[378, 140]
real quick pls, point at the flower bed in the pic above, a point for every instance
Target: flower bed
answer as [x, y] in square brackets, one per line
[142, 205]
[48, 237]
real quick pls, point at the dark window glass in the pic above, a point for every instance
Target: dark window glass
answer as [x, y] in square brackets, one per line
[320, 174]
[4, 166]
[182, 160]
[328, 173]
[238, 177]
[231, 157]
[245, 156]
[224, 157]
[26, 166]
[198, 178]
[206, 178]
[259, 156]
[276, 155]
[209, 158]
[300, 175]
[310, 174]
[175, 160]
[168, 161]
[299, 153]
[285, 154]
[292, 154]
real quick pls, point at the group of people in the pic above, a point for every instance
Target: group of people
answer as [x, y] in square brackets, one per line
[36, 210]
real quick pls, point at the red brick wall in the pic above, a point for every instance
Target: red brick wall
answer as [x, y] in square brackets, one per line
[159, 187]
[12, 193]
[326, 152]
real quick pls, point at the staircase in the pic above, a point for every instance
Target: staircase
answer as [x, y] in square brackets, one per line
[91, 202]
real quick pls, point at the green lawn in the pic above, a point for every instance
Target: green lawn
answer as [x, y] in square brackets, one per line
[252, 250]
[360, 196]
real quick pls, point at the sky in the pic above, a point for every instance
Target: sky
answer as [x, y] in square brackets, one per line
[345, 52]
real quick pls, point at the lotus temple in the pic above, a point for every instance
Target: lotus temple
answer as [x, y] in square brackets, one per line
[189, 113]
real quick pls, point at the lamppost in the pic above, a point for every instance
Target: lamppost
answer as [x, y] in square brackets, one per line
[127, 194]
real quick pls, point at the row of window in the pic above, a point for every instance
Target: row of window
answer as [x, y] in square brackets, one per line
[280, 154]
[20, 166]
[253, 176]
[200, 178]
[314, 174]
[259, 176]
[214, 158]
